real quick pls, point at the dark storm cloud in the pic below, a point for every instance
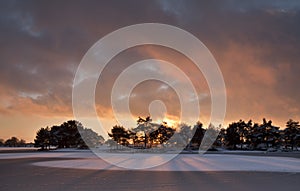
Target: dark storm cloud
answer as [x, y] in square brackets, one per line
[256, 44]
[42, 43]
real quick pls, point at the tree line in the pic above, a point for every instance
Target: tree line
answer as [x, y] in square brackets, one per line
[145, 135]
[254, 136]
[13, 142]
[238, 135]
[67, 135]
[151, 135]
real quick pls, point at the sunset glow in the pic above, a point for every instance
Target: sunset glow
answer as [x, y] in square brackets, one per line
[256, 46]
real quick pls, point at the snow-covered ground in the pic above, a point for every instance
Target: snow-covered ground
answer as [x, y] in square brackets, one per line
[17, 148]
[63, 153]
[183, 162]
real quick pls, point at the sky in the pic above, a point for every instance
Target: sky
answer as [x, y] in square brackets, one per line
[255, 43]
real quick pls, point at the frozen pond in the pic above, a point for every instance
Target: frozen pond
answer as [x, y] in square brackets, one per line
[183, 162]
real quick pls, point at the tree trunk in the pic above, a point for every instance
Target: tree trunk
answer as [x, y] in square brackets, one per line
[146, 141]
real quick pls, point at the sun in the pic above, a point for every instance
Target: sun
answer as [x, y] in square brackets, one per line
[170, 122]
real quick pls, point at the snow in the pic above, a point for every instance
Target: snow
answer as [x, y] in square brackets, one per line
[50, 154]
[183, 162]
[17, 148]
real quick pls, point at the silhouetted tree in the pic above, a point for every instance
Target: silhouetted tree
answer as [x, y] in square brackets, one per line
[185, 135]
[272, 134]
[199, 132]
[145, 127]
[22, 143]
[209, 138]
[247, 135]
[232, 135]
[12, 142]
[42, 138]
[120, 135]
[71, 135]
[265, 135]
[146, 133]
[242, 130]
[220, 141]
[67, 135]
[162, 134]
[255, 136]
[91, 138]
[292, 134]
[135, 139]
[57, 136]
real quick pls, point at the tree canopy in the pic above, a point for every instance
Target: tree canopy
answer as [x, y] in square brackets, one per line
[147, 134]
[67, 135]
[238, 135]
